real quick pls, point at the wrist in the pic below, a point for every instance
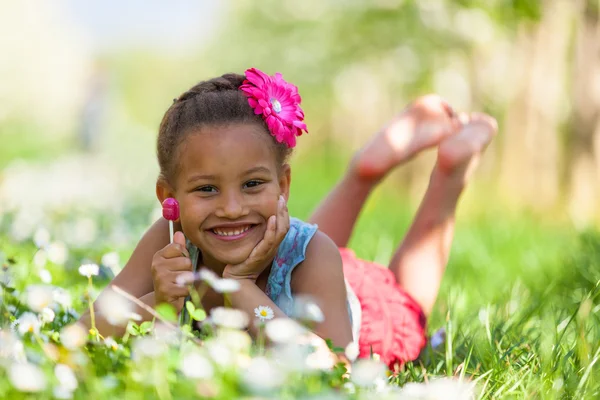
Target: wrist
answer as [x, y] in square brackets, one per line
[228, 275]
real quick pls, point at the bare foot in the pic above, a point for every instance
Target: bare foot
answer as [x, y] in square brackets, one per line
[459, 154]
[424, 124]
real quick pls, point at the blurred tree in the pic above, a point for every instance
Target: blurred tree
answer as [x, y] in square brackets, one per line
[507, 57]
[583, 141]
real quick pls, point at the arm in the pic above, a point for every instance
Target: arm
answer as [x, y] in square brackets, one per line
[136, 277]
[249, 297]
[321, 277]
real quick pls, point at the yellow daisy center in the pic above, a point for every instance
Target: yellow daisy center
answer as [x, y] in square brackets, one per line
[263, 313]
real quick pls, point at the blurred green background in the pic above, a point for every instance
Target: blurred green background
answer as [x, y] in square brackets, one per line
[85, 85]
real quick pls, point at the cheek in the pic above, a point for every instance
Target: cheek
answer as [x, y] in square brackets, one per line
[269, 205]
[192, 211]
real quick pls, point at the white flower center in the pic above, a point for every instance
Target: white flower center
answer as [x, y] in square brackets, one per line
[276, 105]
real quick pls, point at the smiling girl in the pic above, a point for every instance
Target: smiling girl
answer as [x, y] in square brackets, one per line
[223, 148]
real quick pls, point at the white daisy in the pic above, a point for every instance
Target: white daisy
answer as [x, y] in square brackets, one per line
[321, 359]
[111, 260]
[111, 343]
[27, 377]
[73, 336]
[148, 347]
[262, 375]
[264, 313]
[366, 372]
[57, 253]
[28, 322]
[89, 270]
[196, 366]
[446, 388]
[219, 353]
[66, 377]
[236, 340]
[229, 318]
[40, 259]
[208, 276]
[10, 346]
[47, 315]
[41, 238]
[283, 330]
[39, 297]
[306, 309]
[352, 351]
[45, 275]
[115, 308]
[225, 285]
[62, 297]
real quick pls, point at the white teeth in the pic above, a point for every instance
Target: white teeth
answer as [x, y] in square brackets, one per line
[234, 232]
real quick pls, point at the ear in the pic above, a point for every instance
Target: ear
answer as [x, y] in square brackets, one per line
[285, 180]
[163, 190]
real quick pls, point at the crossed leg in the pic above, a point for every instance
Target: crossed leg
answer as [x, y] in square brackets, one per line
[420, 260]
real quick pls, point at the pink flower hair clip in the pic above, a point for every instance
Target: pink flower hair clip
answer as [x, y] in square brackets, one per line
[279, 103]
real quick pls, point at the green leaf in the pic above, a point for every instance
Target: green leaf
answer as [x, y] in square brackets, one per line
[329, 343]
[189, 306]
[198, 315]
[146, 326]
[133, 329]
[167, 311]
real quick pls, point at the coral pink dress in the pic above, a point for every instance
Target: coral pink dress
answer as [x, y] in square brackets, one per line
[392, 323]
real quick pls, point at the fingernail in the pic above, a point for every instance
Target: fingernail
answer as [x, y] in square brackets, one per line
[281, 199]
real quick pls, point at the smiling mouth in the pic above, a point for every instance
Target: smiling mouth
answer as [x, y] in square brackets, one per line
[232, 232]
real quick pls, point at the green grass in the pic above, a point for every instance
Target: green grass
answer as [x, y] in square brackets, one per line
[519, 302]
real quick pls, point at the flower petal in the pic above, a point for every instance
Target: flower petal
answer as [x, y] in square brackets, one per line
[261, 89]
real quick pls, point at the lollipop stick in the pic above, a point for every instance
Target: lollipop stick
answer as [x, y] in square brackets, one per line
[171, 230]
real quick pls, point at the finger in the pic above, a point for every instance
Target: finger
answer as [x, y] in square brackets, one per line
[269, 237]
[184, 278]
[265, 245]
[175, 264]
[173, 290]
[283, 219]
[179, 238]
[174, 250]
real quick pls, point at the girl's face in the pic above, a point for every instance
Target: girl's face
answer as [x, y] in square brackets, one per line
[227, 184]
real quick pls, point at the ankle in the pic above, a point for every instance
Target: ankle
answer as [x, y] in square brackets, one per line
[354, 179]
[450, 182]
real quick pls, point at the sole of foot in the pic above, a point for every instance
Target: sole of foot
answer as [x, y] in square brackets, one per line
[460, 153]
[424, 124]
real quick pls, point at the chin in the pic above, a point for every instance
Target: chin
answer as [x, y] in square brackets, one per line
[232, 257]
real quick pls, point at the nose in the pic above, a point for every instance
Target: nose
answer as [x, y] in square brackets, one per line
[231, 206]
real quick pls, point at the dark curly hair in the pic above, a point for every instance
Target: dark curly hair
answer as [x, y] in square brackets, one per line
[214, 102]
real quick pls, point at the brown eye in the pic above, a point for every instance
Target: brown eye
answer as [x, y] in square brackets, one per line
[252, 184]
[206, 189]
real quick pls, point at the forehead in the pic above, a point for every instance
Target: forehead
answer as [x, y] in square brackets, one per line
[228, 146]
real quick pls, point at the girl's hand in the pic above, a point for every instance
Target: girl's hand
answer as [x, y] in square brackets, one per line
[258, 260]
[168, 264]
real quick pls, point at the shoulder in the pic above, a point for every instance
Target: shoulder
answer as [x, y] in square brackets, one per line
[322, 262]
[321, 246]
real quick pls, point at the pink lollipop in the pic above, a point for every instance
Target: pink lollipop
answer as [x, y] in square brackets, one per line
[170, 212]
